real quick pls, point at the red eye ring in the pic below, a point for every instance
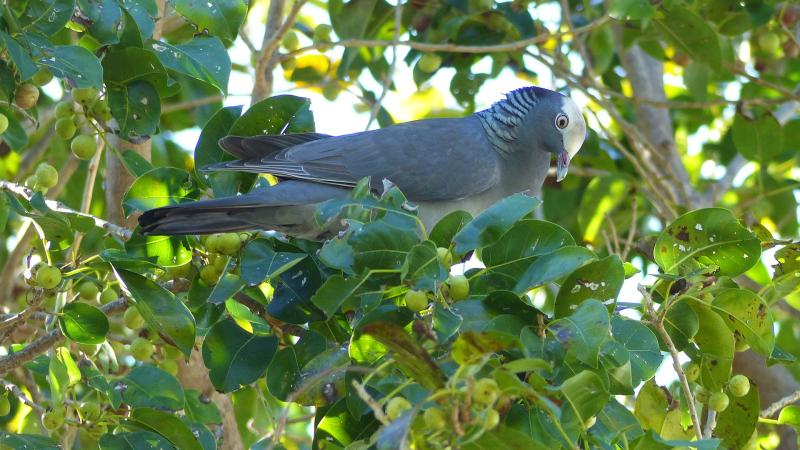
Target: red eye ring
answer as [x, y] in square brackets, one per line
[562, 121]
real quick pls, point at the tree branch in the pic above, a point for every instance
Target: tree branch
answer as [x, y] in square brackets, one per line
[454, 48]
[687, 392]
[47, 341]
[389, 76]
[26, 193]
[272, 40]
[780, 404]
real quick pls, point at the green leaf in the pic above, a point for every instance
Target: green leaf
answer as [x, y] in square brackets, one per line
[260, 261]
[136, 440]
[552, 266]
[602, 195]
[283, 373]
[650, 406]
[322, 378]
[125, 65]
[410, 355]
[334, 292]
[444, 230]
[19, 56]
[696, 77]
[73, 63]
[642, 346]
[25, 441]
[759, 139]
[525, 239]
[716, 344]
[505, 438]
[135, 164]
[631, 10]
[63, 373]
[137, 108]
[748, 316]
[162, 311]
[585, 394]
[168, 425]
[494, 222]
[736, 424]
[15, 135]
[83, 323]
[203, 58]
[601, 44]
[163, 186]
[143, 14]
[207, 152]
[601, 280]
[149, 386]
[692, 34]
[681, 323]
[704, 236]
[46, 16]
[235, 357]
[198, 409]
[383, 244]
[220, 18]
[422, 267]
[584, 331]
[104, 18]
[122, 260]
[336, 253]
[275, 115]
[167, 251]
[615, 423]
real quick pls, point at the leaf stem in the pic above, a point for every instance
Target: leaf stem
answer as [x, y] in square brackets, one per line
[658, 324]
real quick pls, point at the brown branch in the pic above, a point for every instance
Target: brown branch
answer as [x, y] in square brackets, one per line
[47, 341]
[780, 404]
[272, 40]
[658, 324]
[27, 194]
[453, 48]
[189, 104]
[388, 77]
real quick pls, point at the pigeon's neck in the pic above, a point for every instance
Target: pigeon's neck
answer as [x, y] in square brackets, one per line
[502, 121]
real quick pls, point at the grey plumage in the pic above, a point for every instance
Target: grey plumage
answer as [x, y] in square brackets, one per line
[440, 164]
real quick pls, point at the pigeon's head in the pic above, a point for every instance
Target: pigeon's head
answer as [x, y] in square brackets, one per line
[556, 125]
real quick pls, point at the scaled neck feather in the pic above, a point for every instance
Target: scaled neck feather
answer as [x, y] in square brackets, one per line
[501, 121]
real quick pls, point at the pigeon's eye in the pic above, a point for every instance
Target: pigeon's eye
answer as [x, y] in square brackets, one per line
[562, 121]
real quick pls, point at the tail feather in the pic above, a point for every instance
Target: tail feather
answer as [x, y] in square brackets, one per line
[286, 205]
[253, 147]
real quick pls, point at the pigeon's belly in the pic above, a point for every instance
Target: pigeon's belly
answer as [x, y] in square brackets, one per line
[432, 212]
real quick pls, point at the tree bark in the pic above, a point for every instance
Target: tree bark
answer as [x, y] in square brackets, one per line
[194, 375]
[646, 75]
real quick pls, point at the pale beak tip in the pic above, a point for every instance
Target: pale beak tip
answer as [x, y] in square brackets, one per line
[562, 166]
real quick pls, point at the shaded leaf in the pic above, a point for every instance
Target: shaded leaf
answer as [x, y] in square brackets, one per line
[235, 357]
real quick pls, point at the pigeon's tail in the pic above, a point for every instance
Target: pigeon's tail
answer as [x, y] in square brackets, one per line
[286, 207]
[203, 217]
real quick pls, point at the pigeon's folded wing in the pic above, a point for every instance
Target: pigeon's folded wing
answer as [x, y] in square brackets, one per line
[439, 159]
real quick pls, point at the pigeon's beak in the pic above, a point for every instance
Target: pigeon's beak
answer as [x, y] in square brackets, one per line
[562, 165]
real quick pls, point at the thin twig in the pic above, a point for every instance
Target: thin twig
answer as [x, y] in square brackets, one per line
[14, 390]
[389, 76]
[189, 104]
[26, 193]
[362, 393]
[659, 326]
[47, 341]
[88, 193]
[267, 58]
[454, 48]
[711, 422]
[631, 229]
[780, 404]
